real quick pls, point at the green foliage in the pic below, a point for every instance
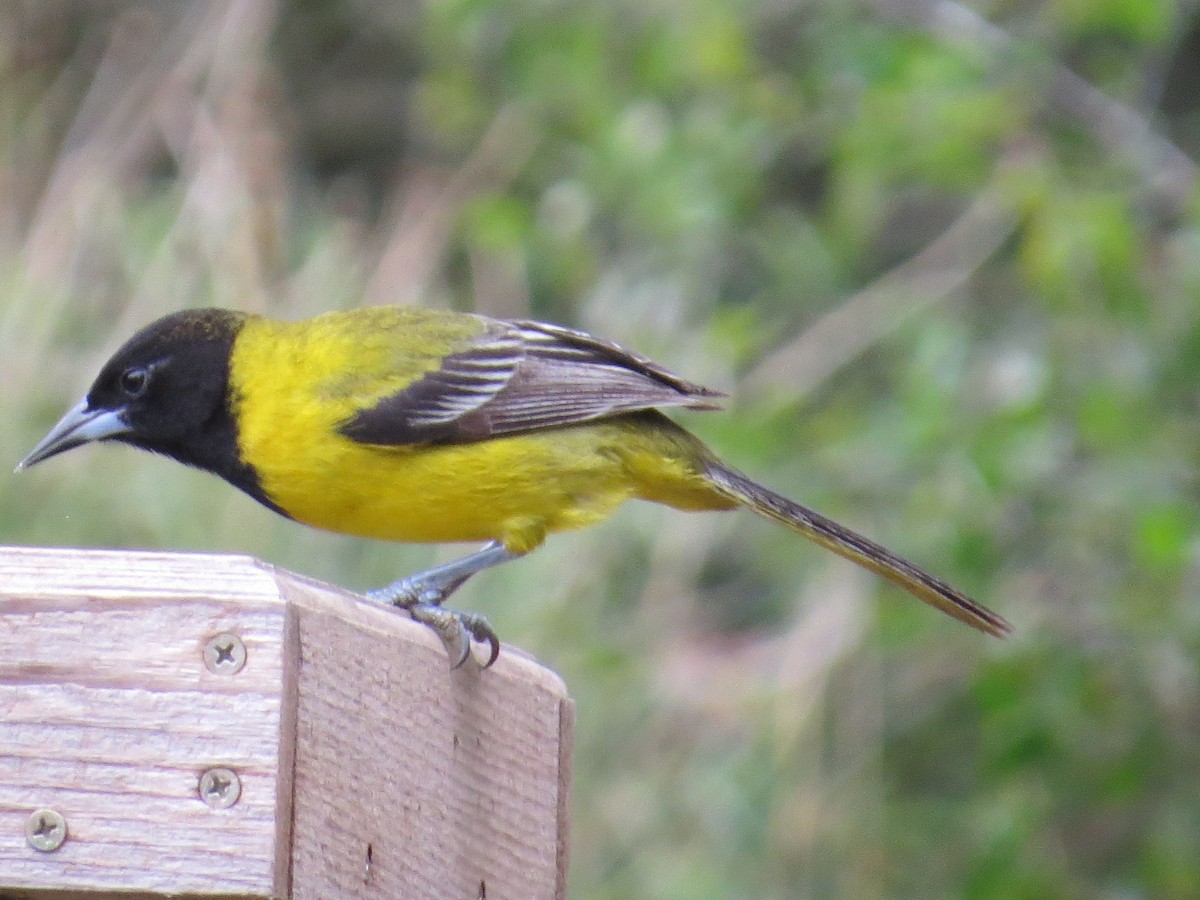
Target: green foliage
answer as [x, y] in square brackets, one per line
[711, 182]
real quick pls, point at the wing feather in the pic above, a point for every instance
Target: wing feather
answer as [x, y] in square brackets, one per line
[519, 376]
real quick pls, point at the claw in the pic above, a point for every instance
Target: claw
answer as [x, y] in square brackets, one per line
[422, 595]
[448, 626]
[493, 653]
[457, 629]
[481, 630]
[464, 650]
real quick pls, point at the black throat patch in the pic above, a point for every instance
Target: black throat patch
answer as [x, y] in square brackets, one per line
[187, 412]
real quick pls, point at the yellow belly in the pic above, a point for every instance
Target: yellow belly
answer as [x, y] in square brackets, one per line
[510, 489]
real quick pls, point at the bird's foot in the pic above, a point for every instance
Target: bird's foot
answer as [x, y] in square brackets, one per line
[456, 629]
[424, 593]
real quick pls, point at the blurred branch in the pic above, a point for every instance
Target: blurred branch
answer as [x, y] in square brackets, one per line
[160, 68]
[119, 116]
[943, 267]
[1157, 68]
[427, 207]
[1164, 168]
[718, 674]
[947, 263]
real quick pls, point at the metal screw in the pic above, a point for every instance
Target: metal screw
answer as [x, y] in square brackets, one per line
[220, 788]
[224, 654]
[45, 830]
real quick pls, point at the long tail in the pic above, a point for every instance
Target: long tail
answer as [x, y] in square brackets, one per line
[855, 547]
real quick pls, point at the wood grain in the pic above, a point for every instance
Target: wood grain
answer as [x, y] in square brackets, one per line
[456, 780]
[368, 768]
[109, 716]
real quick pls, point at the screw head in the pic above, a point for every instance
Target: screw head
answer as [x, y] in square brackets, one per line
[224, 654]
[220, 788]
[45, 830]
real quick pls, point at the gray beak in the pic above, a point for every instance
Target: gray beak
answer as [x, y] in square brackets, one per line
[79, 426]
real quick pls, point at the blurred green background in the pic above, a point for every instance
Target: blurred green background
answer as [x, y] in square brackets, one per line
[946, 259]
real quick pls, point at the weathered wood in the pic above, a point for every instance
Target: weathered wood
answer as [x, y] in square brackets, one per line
[456, 781]
[110, 717]
[367, 768]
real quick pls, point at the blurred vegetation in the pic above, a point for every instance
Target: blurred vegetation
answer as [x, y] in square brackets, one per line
[944, 256]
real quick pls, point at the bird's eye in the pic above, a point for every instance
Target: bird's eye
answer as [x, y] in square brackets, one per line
[134, 381]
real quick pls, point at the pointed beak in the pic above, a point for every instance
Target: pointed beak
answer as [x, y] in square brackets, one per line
[79, 426]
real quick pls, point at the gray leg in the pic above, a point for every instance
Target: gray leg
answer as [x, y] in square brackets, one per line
[422, 595]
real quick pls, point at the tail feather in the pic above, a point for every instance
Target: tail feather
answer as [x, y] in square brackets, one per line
[856, 548]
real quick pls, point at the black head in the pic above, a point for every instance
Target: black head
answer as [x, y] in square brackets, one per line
[165, 390]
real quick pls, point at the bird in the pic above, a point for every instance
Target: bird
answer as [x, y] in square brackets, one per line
[408, 424]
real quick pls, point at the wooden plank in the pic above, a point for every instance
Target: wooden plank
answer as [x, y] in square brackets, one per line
[110, 717]
[368, 768]
[416, 781]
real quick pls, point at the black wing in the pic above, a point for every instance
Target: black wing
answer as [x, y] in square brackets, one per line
[518, 376]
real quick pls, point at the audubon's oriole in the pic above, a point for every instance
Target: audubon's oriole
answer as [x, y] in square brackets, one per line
[420, 425]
